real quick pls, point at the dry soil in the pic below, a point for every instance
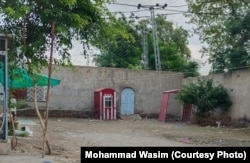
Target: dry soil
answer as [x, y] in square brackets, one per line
[67, 135]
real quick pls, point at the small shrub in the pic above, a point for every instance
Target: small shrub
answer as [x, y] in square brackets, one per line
[21, 104]
[205, 97]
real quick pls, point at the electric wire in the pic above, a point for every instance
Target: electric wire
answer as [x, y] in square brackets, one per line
[141, 10]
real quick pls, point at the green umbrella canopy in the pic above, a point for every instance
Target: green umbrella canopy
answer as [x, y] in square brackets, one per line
[20, 78]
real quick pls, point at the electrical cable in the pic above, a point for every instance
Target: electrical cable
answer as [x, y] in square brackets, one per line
[178, 12]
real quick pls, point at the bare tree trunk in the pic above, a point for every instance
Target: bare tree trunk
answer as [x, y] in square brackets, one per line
[40, 117]
[35, 87]
[49, 76]
[14, 139]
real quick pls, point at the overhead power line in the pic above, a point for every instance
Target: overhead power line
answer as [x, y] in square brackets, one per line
[177, 6]
[154, 28]
[123, 4]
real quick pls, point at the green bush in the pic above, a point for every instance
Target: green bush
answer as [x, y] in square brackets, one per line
[21, 104]
[205, 97]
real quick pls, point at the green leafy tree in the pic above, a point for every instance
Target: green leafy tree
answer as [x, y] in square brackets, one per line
[38, 26]
[223, 25]
[190, 69]
[205, 96]
[174, 52]
[126, 52]
[28, 22]
[121, 52]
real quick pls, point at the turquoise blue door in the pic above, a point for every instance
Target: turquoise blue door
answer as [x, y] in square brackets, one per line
[127, 101]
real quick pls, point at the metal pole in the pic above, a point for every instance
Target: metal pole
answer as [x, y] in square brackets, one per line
[154, 28]
[4, 59]
[6, 93]
[145, 49]
[155, 39]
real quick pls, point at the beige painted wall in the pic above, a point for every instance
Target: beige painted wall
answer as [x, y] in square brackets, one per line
[77, 88]
[238, 85]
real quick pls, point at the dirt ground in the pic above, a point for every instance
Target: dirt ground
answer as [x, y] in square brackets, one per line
[68, 135]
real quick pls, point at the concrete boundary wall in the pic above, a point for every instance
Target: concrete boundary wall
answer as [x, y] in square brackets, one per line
[74, 97]
[76, 91]
[238, 85]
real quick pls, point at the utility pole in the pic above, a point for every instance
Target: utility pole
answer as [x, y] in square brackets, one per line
[145, 48]
[154, 29]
